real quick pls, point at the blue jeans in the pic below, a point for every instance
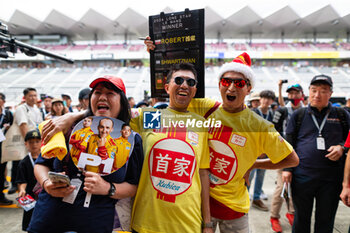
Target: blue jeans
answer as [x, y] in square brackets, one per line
[259, 180]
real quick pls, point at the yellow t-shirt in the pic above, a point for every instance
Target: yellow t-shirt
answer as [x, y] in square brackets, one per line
[82, 136]
[234, 148]
[168, 198]
[108, 151]
[123, 151]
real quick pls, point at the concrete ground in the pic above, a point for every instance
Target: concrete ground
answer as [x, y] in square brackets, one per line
[11, 218]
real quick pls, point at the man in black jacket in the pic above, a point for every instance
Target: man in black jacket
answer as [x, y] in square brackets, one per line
[317, 135]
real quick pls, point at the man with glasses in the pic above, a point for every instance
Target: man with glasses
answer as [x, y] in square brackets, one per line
[317, 133]
[235, 147]
[173, 193]
[282, 115]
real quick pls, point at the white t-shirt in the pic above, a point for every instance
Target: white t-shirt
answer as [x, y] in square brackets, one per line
[29, 115]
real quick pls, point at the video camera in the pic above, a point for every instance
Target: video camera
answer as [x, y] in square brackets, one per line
[10, 44]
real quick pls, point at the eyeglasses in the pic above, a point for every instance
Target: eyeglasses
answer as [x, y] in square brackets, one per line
[190, 82]
[239, 83]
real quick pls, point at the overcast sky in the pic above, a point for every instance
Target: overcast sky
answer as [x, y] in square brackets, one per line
[75, 9]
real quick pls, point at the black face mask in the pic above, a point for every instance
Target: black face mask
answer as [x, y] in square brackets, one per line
[296, 102]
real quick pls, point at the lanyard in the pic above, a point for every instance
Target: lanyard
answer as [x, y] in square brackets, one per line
[267, 114]
[31, 159]
[2, 118]
[322, 124]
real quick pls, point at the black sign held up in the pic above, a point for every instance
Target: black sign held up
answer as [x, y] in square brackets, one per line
[178, 37]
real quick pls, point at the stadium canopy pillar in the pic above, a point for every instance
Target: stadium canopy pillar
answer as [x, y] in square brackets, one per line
[348, 36]
[282, 36]
[95, 37]
[126, 36]
[219, 36]
[315, 36]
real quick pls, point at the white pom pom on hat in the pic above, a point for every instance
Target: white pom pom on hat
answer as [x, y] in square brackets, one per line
[240, 64]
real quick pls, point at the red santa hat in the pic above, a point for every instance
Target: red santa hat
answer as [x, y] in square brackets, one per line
[240, 64]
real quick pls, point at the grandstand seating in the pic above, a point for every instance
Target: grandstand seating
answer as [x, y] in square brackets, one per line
[117, 47]
[79, 47]
[258, 46]
[55, 81]
[240, 46]
[58, 47]
[280, 46]
[325, 46]
[210, 47]
[303, 47]
[99, 47]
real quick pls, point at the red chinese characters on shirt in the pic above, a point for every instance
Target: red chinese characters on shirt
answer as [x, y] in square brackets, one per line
[223, 160]
[172, 164]
[220, 164]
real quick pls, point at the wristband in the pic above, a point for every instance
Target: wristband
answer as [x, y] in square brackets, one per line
[207, 225]
[44, 183]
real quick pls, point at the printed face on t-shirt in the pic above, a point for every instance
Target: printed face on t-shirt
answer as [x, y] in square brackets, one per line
[87, 122]
[126, 131]
[105, 127]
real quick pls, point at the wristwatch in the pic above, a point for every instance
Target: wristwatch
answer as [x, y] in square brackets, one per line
[207, 225]
[111, 190]
[346, 149]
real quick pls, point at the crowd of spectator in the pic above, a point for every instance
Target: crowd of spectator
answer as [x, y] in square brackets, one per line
[313, 171]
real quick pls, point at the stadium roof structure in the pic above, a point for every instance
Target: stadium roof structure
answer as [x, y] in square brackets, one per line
[242, 24]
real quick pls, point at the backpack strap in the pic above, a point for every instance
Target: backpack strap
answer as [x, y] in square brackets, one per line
[343, 121]
[10, 116]
[299, 120]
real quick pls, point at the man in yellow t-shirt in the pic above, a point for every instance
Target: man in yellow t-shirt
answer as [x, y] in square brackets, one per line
[102, 144]
[123, 146]
[173, 192]
[80, 138]
[235, 147]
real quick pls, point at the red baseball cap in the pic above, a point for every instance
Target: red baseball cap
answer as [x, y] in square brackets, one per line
[117, 82]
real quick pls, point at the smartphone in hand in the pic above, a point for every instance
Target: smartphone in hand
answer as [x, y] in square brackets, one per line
[59, 178]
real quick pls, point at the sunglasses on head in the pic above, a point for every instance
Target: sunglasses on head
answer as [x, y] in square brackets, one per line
[295, 85]
[190, 82]
[239, 83]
